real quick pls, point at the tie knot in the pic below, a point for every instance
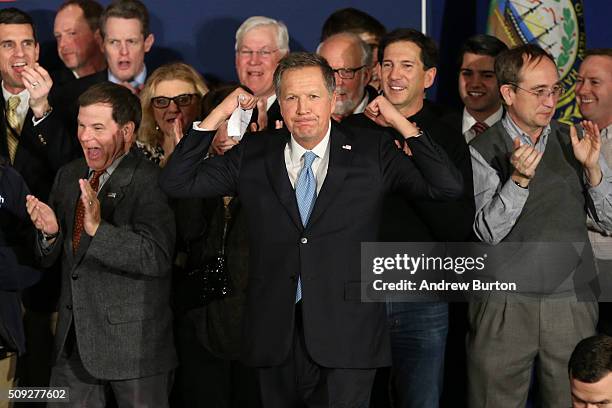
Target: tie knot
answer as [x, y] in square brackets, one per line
[13, 102]
[94, 181]
[309, 157]
[479, 127]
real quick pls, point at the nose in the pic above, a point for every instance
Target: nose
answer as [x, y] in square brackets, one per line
[19, 49]
[339, 80]
[84, 134]
[255, 59]
[303, 107]
[173, 106]
[394, 73]
[123, 50]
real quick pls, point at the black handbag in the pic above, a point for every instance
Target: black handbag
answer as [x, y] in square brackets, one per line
[211, 281]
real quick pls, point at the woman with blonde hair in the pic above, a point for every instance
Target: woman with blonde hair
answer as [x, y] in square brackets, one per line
[172, 93]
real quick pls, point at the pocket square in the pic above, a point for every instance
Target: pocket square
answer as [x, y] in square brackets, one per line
[347, 147]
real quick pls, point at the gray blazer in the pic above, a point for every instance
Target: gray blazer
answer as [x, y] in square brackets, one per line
[116, 288]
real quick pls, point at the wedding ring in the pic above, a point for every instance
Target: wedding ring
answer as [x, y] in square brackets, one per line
[35, 84]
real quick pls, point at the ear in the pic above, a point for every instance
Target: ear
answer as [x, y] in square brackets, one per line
[37, 51]
[430, 76]
[367, 74]
[98, 38]
[128, 135]
[148, 43]
[507, 94]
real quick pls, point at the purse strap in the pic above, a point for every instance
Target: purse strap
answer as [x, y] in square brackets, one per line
[227, 217]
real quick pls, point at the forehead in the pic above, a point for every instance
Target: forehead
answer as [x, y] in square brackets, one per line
[302, 80]
[542, 72]
[96, 113]
[69, 16]
[601, 64]
[173, 87]
[597, 391]
[402, 50]
[117, 27]
[478, 62]
[260, 36]
[16, 32]
[341, 53]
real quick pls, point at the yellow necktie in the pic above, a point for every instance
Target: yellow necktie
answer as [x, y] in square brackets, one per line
[14, 126]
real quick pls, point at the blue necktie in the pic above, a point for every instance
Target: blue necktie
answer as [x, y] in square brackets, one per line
[305, 193]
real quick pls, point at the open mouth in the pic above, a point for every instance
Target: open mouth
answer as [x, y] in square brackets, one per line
[124, 65]
[18, 66]
[93, 153]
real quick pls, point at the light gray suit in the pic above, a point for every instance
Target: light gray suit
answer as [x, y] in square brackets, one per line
[116, 288]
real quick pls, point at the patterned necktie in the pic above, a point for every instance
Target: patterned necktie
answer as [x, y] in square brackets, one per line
[14, 126]
[479, 127]
[305, 193]
[94, 182]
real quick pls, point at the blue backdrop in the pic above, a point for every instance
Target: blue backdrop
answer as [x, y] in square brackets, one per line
[202, 32]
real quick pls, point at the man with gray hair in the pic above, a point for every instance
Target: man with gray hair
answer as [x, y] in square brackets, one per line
[312, 192]
[261, 42]
[350, 58]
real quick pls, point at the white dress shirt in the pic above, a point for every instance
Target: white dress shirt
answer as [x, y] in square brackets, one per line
[469, 121]
[294, 160]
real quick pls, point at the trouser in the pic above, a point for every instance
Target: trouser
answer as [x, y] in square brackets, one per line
[90, 392]
[301, 382]
[8, 364]
[418, 340]
[512, 335]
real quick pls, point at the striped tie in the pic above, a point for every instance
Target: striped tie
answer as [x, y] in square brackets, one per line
[479, 127]
[14, 126]
[79, 217]
[306, 193]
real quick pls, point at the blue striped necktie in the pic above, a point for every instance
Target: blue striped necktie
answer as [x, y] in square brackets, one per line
[305, 193]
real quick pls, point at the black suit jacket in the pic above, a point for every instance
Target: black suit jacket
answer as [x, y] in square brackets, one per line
[42, 150]
[427, 220]
[340, 331]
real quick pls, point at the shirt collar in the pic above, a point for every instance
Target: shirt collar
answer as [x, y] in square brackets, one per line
[136, 82]
[110, 169]
[297, 151]
[23, 95]
[514, 131]
[362, 105]
[469, 120]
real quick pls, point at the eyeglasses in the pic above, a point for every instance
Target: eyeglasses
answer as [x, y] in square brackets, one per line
[263, 54]
[543, 93]
[347, 73]
[161, 102]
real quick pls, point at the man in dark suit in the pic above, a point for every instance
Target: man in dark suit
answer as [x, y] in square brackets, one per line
[16, 271]
[77, 32]
[33, 139]
[115, 235]
[312, 193]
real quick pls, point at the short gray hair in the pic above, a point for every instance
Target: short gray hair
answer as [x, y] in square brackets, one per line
[364, 48]
[282, 34]
[297, 60]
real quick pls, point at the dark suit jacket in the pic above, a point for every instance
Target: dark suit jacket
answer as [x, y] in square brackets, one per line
[42, 150]
[16, 257]
[116, 288]
[426, 220]
[340, 331]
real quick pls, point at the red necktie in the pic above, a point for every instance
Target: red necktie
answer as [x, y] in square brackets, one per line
[94, 182]
[479, 127]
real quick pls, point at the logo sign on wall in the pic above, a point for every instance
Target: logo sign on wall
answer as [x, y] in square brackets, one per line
[555, 25]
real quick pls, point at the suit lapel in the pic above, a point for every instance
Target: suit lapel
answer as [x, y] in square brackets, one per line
[340, 157]
[111, 193]
[73, 194]
[277, 174]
